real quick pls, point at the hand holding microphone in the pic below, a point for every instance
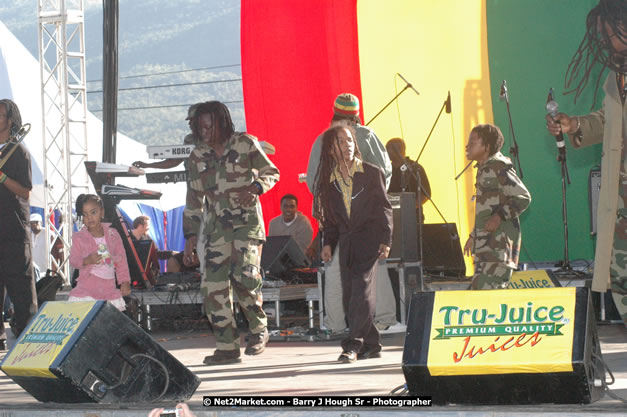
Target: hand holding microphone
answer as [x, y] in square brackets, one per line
[561, 122]
[554, 123]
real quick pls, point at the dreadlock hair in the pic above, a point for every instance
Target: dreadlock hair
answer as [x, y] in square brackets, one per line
[13, 114]
[322, 181]
[220, 116]
[595, 52]
[82, 199]
[491, 137]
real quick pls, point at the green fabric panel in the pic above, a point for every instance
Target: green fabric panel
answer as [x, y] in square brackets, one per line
[530, 45]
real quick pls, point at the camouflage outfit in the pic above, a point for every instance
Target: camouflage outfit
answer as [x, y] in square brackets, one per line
[498, 190]
[618, 266]
[230, 235]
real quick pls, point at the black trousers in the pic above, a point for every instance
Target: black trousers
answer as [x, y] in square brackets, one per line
[16, 275]
[359, 299]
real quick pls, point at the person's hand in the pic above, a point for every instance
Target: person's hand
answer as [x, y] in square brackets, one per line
[125, 288]
[247, 196]
[562, 123]
[190, 249]
[311, 252]
[156, 412]
[468, 246]
[384, 251]
[184, 411]
[493, 223]
[326, 253]
[93, 259]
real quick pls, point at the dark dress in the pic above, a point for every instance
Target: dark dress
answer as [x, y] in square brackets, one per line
[370, 225]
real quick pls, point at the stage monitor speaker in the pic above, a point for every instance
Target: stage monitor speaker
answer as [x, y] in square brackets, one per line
[594, 184]
[442, 251]
[503, 347]
[404, 236]
[74, 352]
[280, 254]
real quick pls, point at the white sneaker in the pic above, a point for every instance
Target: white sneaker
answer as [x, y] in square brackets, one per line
[395, 328]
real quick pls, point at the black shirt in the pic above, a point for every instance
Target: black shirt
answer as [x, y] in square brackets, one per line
[15, 211]
[396, 182]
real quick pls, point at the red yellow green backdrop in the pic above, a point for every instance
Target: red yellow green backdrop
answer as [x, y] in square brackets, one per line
[297, 56]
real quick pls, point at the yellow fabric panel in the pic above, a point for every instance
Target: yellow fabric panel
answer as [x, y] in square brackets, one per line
[437, 46]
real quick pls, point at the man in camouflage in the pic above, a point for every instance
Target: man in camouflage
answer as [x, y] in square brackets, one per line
[500, 198]
[222, 220]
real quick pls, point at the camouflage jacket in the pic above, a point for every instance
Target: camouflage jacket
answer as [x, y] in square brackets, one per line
[498, 190]
[213, 184]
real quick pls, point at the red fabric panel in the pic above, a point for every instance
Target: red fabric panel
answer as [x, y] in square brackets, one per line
[297, 56]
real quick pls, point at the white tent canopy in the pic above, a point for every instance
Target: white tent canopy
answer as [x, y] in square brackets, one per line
[20, 81]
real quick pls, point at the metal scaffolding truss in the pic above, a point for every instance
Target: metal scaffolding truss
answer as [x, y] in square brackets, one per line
[64, 125]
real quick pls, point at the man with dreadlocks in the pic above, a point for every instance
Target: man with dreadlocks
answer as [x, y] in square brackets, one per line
[346, 112]
[228, 171]
[605, 43]
[351, 202]
[15, 247]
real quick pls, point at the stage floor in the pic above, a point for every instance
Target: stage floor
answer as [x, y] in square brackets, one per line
[304, 368]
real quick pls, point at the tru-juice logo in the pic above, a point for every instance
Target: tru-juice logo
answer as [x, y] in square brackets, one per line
[44, 334]
[510, 327]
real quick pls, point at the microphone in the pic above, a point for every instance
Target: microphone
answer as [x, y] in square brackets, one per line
[503, 94]
[448, 103]
[408, 83]
[552, 109]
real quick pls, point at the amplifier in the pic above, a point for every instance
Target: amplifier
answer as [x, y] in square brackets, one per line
[169, 151]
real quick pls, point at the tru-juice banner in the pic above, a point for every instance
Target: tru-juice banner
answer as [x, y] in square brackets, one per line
[47, 338]
[502, 332]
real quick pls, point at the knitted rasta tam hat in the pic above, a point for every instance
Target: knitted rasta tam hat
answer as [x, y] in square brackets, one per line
[346, 105]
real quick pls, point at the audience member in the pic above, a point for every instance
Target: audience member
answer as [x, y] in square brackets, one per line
[38, 239]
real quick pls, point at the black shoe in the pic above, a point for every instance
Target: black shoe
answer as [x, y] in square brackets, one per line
[257, 343]
[3, 344]
[369, 352]
[223, 357]
[348, 356]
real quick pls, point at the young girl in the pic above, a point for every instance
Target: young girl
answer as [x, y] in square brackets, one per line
[97, 252]
[351, 202]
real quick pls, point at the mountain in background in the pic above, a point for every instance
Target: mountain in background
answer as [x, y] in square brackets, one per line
[192, 45]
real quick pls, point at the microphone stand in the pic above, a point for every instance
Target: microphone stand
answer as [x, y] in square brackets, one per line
[513, 150]
[446, 102]
[561, 158]
[407, 86]
[565, 264]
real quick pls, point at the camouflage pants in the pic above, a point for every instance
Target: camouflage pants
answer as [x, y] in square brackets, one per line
[491, 276]
[618, 268]
[231, 269]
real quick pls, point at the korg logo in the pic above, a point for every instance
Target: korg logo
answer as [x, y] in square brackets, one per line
[181, 151]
